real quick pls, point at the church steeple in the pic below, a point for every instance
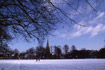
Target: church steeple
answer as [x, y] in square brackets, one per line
[47, 44]
[47, 50]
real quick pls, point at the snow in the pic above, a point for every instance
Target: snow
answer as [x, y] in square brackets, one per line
[59, 64]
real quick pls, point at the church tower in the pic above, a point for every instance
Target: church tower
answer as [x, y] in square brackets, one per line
[47, 50]
[47, 45]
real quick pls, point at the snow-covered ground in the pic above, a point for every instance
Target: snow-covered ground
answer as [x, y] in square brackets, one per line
[69, 64]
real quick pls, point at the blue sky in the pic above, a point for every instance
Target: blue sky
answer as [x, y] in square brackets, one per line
[89, 36]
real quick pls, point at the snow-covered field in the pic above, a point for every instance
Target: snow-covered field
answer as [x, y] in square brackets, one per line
[69, 64]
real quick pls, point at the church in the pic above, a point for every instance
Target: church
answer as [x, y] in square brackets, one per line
[48, 55]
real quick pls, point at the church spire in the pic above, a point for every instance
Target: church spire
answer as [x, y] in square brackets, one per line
[47, 49]
[47, 44]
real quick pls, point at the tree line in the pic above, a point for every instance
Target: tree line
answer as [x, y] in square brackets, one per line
[55, 52]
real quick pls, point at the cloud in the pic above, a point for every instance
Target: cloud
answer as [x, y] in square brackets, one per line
[99, 28]
[91, 30]
[100, 15]
[99, 18]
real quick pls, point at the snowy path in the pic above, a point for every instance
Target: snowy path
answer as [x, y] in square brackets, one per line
[70, 64]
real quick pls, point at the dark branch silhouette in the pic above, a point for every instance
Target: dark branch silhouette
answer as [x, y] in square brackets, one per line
[33, 18]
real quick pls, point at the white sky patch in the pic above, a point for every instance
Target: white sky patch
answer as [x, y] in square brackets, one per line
[97, 29]
[91, 30]
[100, 16]
[58, 2]
[63, 35]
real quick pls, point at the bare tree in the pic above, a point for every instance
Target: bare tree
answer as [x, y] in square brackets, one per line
[29, 18]
[16, 54]
[66, 49]
[30, 53]
[73, 48]
[57, 51]
[33, 18]
[40, 52]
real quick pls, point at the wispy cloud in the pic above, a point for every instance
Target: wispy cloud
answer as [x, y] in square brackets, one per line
[99, 18]
[99, 28]
[90, 30]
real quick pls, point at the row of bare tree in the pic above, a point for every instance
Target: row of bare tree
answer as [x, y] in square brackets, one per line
[56, 52]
